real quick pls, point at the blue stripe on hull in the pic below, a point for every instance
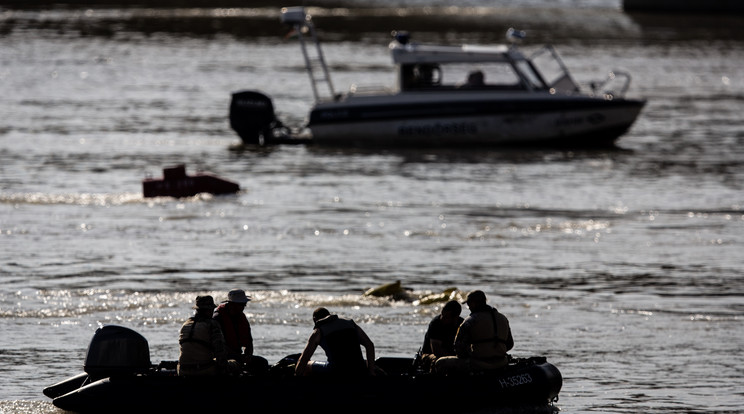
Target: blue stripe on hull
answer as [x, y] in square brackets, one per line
[345, 114]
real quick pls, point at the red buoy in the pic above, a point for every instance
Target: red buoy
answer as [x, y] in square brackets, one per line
[176, 183]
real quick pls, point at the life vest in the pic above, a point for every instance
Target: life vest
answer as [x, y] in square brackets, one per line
[197, 345]
[490, 335]
[235, 328]
[340, 341]
[189, 333]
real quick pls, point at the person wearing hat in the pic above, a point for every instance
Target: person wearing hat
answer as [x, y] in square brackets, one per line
[237, 331]
[202, 346]
[482, 341]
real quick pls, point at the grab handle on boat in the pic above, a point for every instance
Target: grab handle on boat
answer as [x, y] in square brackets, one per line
[601, 87]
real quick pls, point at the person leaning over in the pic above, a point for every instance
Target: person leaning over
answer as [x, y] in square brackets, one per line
[439, 339]
[482, 341]
[341, 340]
[201, 342]
[237, 331]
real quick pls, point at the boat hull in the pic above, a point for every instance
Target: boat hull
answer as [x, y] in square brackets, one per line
[474, 120]
[533, 385]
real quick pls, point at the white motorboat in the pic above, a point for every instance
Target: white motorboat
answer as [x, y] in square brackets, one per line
[451, 96]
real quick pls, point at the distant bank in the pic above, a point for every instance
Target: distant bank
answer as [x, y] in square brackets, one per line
[685, 6]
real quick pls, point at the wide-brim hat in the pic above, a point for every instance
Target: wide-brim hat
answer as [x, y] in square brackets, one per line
[238, 296]
[205, 302]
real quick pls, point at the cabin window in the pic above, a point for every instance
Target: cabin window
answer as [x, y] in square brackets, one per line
[421, 76]
[479, 75]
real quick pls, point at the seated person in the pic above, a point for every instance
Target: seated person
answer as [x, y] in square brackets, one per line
[237, 332]
[475, 79]
[482, 341]
[439, 339]
[201, 342]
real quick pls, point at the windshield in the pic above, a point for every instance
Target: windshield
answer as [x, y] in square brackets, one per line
[551, 69]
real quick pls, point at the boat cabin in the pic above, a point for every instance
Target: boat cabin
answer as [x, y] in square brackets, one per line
[470, 67]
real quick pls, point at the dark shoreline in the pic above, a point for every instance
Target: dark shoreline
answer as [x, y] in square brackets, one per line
[684, 6]
[258, 18]
[654, 6]
[159, 4]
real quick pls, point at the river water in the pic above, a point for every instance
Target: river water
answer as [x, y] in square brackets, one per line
[622, 266]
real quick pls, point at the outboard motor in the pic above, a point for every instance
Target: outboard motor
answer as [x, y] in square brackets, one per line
[116, 350]
[252, 116]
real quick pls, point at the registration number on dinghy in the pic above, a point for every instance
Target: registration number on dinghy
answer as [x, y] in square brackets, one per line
[515, 381]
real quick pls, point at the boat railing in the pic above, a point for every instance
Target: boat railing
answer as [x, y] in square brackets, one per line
[315, 64]
[355, 89]
[605, 87]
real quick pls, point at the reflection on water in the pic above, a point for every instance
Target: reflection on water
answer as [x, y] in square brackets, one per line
[622, 265]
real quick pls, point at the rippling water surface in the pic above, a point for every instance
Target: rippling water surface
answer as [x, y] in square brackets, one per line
[622, 266]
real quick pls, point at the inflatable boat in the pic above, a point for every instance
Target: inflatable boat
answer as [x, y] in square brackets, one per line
[118, 377]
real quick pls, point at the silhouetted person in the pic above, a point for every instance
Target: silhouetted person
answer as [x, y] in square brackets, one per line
[237, 332]
[439, 340]
[341, 340]
[482, 341]
[202, 346]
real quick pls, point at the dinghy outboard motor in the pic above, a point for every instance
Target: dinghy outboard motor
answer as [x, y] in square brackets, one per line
[252, 117]
[116, 350]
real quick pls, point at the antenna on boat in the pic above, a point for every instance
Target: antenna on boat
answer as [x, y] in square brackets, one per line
[302, 24]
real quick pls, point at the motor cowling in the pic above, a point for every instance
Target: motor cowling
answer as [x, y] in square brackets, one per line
[116, 350]
[252, 116]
